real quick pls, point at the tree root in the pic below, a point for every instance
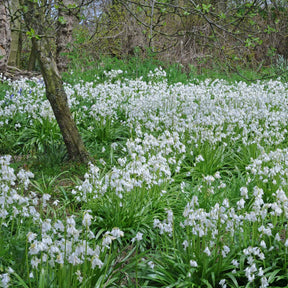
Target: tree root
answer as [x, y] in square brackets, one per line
[14, 73]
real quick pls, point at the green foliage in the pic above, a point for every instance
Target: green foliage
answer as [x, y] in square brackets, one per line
[32, 34]
[42, 136]
[136, 67]
[281, 68]
[134, 212]
[3, 88]
[133, 67]
[7, 140]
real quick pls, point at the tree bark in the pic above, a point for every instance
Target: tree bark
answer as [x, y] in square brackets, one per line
[19, 51]
[64, 35]
[15, 32]
[5, 37]
[55, 92]
[32, 59]
[58, 99]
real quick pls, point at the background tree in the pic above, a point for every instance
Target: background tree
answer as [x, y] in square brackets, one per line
[203, 33]
[66, 18]
[15, 22]
[200, 33]
[5, 37]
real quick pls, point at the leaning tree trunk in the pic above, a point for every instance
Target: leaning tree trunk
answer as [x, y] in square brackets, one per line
[58, 99]
[5, 37]
[64, 35]
[55, 92]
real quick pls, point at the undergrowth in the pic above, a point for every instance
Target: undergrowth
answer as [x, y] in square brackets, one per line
[187, 187]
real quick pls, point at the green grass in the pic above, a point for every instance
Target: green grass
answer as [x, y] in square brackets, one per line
[3, 88]
[135, 67]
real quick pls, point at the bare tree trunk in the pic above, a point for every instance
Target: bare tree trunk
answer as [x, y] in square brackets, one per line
[64, 35]
[55, 92]
[32, 59]
[5, 37]
[15, 34]
[19, 51]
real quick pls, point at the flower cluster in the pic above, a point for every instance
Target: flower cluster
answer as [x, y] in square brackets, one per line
[149, 162]
[61, 243]
[113, 73]
[14, 204]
